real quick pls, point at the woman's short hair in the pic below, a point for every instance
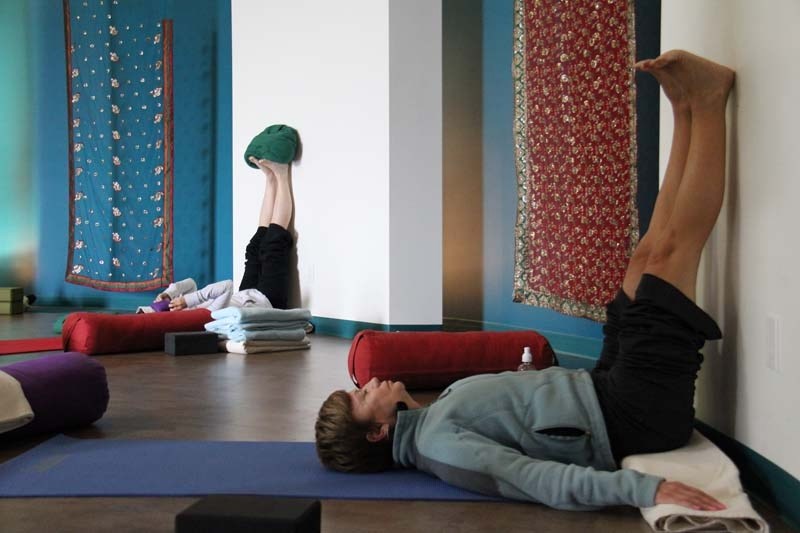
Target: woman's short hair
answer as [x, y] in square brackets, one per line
[342, 441]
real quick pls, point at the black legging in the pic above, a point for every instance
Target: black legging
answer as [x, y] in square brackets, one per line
[266, 265]
[645, 377]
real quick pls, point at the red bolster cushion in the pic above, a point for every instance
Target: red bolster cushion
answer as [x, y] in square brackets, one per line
[431, 360]
[98, 333]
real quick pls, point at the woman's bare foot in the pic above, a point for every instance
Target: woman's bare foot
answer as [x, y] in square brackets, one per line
[690, 78]
[270, 168]
[672, 89]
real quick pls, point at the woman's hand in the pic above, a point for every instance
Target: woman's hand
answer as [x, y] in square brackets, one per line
[177, 304]
[677, 493]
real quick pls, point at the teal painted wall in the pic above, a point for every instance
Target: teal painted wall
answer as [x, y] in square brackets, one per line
[202, 94]
[17, 198]
[223, 267]
[500, 187]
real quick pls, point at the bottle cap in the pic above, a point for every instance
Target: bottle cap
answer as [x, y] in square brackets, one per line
[527, 357]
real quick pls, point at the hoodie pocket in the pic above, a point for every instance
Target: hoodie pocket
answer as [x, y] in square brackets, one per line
[563, 444]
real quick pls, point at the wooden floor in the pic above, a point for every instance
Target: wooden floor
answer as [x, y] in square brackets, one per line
[256, 397]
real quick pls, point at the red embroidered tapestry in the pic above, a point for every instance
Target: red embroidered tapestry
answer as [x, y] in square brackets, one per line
[575, 133]
[119, 90]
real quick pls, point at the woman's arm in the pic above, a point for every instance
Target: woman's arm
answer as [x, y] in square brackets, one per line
[477, 463]
[213, 296]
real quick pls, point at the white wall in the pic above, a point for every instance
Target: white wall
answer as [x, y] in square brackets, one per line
[751, 263]
[324, 68]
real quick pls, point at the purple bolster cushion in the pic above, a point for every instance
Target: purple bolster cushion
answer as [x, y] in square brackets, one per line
[65, 391]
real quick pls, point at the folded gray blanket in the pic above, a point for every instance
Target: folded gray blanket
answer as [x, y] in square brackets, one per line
[248, 315]
[241, 335]
[268, 335]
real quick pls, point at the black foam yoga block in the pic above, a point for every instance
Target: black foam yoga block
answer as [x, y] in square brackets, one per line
[190, 343]
[249, 514]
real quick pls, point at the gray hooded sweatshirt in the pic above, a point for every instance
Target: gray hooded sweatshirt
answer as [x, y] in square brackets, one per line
[496, 434]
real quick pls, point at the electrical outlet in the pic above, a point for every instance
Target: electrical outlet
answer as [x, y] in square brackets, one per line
[774, 342]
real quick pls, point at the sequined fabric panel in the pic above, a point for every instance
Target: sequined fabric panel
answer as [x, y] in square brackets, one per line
[120, 129]
[575, 139]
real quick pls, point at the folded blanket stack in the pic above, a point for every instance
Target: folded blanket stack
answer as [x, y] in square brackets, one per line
[258, 329]
[704, 466]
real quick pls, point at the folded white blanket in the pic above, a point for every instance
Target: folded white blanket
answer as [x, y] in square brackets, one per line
[250, 347]
[702, 465]
[15, 411]
[246, 315]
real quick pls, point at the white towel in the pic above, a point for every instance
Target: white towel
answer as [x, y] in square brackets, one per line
[702, 465]
[15, 411]
[249, 347]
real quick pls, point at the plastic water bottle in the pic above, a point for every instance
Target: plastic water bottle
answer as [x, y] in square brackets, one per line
[527, 360]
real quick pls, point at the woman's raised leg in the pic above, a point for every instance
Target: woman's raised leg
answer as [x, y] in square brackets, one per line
[252, 261]
[665, 201]
[662, 211]
[675, 254]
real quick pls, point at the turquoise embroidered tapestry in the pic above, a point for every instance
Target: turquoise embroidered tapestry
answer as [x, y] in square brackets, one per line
[119, 78]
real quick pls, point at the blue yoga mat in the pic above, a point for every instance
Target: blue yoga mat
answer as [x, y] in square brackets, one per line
[64, 466]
